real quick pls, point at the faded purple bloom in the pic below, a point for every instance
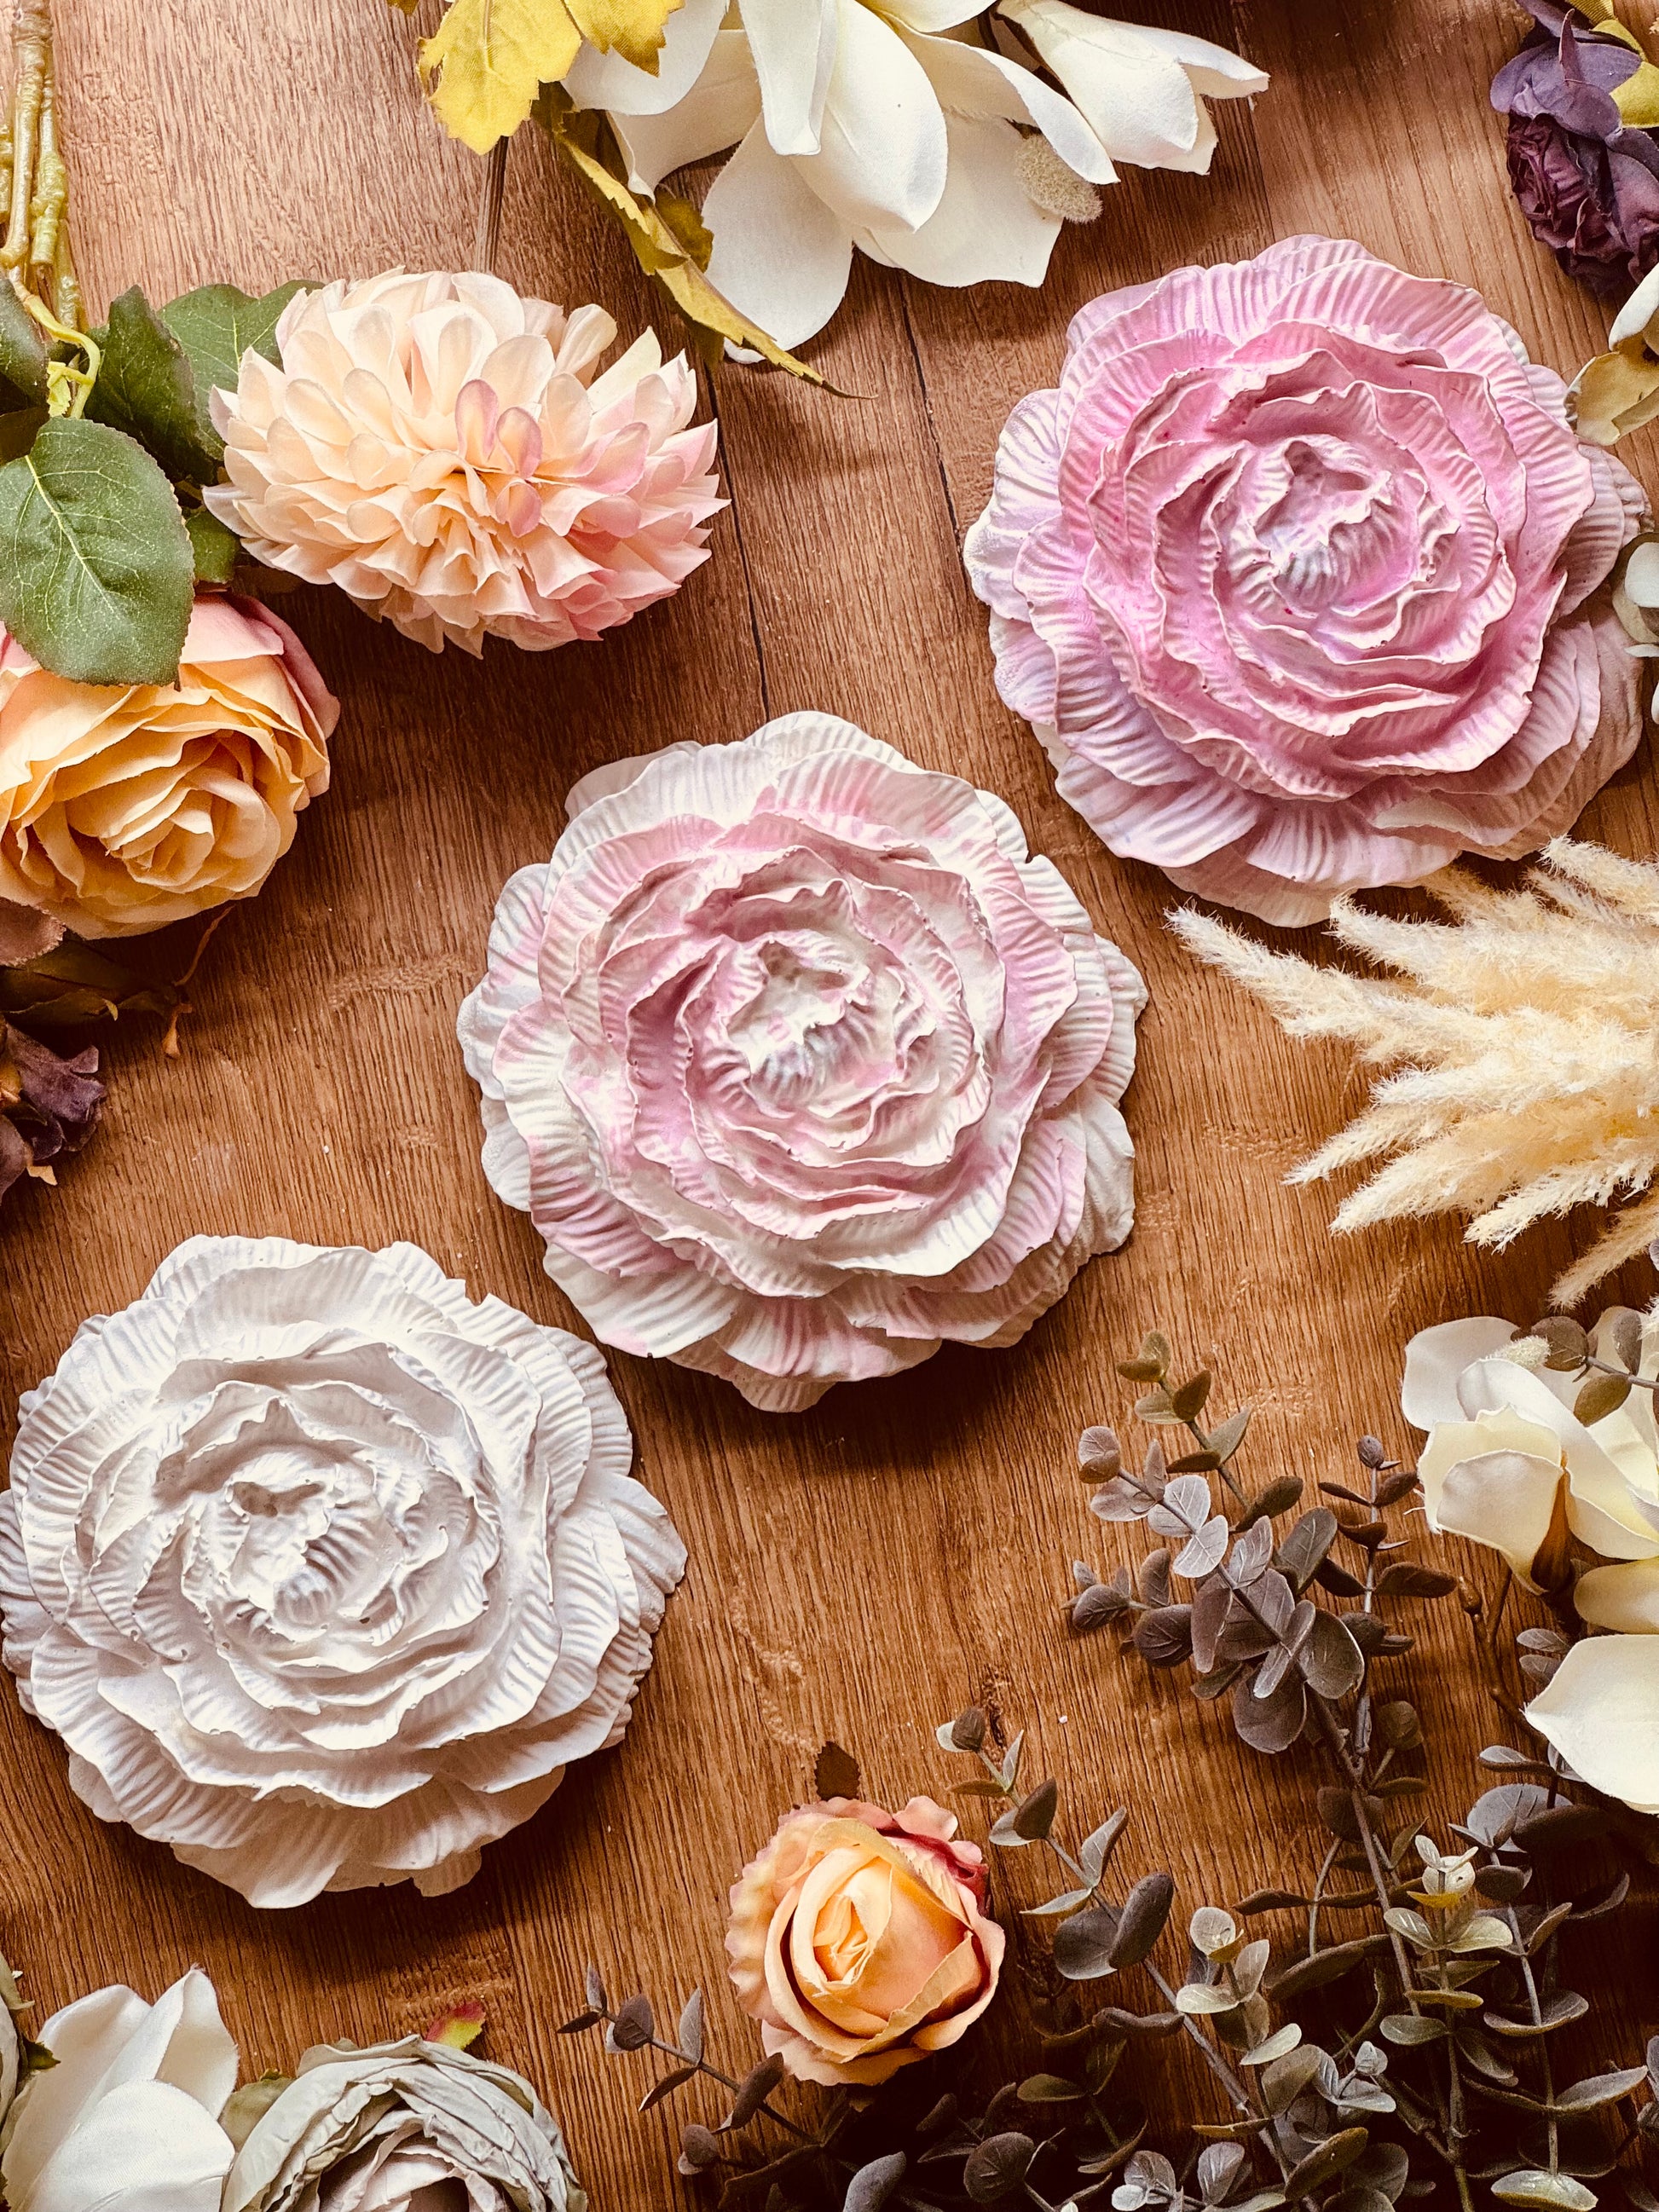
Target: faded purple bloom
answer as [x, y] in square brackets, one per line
[48, 1106]
[1587, 182]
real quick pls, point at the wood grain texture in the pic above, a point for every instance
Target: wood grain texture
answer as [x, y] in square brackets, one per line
[864, 1569]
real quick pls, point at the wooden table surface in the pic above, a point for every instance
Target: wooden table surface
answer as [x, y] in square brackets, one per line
[864, 1569]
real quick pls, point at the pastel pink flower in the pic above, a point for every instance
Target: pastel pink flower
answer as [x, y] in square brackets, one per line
[800, 1063]
[1298, 576]
[454, 457]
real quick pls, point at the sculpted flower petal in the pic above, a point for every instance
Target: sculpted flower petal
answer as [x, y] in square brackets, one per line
[447, 454]
[801, 1064]
[1301, 573]
[323, 1571]
[780, 254]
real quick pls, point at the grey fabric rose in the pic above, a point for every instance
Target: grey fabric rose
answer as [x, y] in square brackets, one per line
[404, 2127]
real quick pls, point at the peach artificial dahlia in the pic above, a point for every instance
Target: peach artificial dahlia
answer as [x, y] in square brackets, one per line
[447, 454]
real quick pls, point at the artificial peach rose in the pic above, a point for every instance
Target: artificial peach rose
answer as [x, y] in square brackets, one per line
[124, 809]
[859, 1941]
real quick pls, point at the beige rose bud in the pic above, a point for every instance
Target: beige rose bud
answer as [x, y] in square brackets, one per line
[122, 810]
[857, 1939]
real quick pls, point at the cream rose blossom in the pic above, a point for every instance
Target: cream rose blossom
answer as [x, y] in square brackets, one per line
[124, 810]
[412, 2126]
[453, 458]
[801, 1064]
[324, 1573]
[1301, 577]
[859, 1939]
[1570, 1506]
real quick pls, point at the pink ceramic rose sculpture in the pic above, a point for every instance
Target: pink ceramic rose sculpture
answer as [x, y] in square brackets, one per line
[1300, 577]
[800, 1064]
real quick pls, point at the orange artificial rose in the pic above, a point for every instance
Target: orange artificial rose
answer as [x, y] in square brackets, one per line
[857, 1939]
[124, 809]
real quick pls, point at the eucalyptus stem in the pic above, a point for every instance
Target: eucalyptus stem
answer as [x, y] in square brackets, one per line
[35, 254]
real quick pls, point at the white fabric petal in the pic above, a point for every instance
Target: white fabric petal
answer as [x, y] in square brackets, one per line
[146, 2148]
[1603, 1512]
[720, 110]
[1638, 311]
[1133, 84]
[1435, 1358]
[882, 154]
[1624, 1598]
[794, 44]
[1600, 1710]
[986, 228]
[1506, 1500]
[973, 81]
[929, 15]
[607, 80]
[780, 254]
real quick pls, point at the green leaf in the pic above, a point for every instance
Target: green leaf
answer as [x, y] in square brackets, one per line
[216, 327]
[95, 565]
[147, 388]
[214, 549]
[22, 350]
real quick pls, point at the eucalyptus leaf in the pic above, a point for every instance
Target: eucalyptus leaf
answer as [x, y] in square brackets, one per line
[1532, 2185]
[96, 570]
[872, 2184]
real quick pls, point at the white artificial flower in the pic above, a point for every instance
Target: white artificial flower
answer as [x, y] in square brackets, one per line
[128, 2116]
[324, 1573]
[414, 2126]
[894, 129]
[1508, 1461]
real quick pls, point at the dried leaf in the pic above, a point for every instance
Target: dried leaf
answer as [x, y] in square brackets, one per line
[872, 2184]
[677, 2080]
[1100, 1603]
[1146, 1910]
[1097, 1848]
[1049, 2089]
[1558, 2193]
[1083, 1944]
[594, 1989]
[1099, 1453]
[1190, 1399]
[688, 2036]
[1331, 1663]
[753, 2091]
[1323, 2163]
[1268, 1504]
[699, 2149]
[1601, 1396]
[1327, 1966]
[835, 1773]
[1033, 1817]
[1204, 1553]
[1164, 1637]
[1299, 1555]
[1599, 2089]
[1404, 1578]
[1271, 1724]
[996, 2167]
[633, 2027]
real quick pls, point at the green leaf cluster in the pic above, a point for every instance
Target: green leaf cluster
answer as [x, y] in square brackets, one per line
[103, 534]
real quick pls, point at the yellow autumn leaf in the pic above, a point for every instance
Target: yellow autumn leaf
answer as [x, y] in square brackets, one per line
[634, 27]
[665, 257]
[1637, 98]
[1617, 392]
[493, 56]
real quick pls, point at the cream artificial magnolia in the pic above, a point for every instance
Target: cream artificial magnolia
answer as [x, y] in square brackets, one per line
[905, 130]
[1523, 1029]
[1571, 1506]
[324, 1573]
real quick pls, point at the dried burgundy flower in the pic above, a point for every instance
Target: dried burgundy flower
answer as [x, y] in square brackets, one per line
[48, 1106]
[1587, 181]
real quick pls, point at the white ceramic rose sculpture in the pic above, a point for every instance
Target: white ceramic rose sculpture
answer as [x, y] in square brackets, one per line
[801, 1064]
[324, 1573]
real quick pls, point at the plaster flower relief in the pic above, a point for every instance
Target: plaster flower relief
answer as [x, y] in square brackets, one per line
[1300, 575]
[801, 1064]
[324, 1573]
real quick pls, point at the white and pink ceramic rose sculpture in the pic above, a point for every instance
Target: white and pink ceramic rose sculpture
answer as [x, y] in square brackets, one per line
[801, 1064]
[324, 1572]
[1300, 576]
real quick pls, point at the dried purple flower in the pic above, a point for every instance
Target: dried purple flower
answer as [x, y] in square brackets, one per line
[1587, 181]
[48, 1106]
